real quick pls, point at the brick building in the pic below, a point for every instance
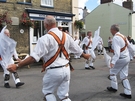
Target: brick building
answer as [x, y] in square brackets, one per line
[36, 10]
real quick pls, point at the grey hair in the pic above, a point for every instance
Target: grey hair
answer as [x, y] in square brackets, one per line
[115, 27]
[50, 20]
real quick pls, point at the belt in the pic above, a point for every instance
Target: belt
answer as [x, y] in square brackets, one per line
[57, 67]
[89, 47]
[122, 57]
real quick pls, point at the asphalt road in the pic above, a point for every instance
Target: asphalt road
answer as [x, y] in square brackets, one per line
[85, 85]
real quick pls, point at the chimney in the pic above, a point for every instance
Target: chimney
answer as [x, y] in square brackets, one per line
[128, 4]
[105, 1]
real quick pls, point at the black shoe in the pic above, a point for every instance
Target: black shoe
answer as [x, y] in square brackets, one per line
[19, 84]
[125, 95]
[92, 67]
[87, 68]
[111, 89]
[6, 85]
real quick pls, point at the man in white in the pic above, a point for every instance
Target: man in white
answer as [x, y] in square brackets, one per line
[57, 74]
[4, 63]
[100, 46]
[88, 49]
[120, 61]
[77, 41]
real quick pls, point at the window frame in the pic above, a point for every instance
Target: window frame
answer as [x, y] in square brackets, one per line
[3, 0]
[46, 5]
[25, 3]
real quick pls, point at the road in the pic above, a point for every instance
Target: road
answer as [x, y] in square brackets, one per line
[85, 85]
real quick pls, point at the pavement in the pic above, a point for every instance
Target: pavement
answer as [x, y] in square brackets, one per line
[85, 85]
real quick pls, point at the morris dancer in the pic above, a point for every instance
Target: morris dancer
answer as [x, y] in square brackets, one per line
[88, 49]
[120, 61]
[4, 62]
[54, 48]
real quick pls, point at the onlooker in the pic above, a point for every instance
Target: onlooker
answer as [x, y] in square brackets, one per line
[109, 43]
[131, 40]
[77, 41]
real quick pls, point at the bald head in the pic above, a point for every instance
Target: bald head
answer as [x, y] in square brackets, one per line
[49, 22]
[6, 32]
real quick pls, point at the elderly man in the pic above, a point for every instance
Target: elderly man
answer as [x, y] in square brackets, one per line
[4, 63]
[88, 49]
[54, 48]
[120, 61]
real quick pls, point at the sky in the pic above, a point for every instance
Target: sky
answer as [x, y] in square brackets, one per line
[92, 4]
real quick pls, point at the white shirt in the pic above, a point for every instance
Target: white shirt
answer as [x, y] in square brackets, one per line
[117, 44]
[77, 41]
[47, 46]
[100, 41]
[86, 41]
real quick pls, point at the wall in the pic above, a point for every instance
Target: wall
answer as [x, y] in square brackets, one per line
[105, 15]
[15, 10]
[133, 26]
[75, 10]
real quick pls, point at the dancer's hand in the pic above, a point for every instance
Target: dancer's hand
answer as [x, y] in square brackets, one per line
[85, 56]
[111, 65]
[12, 68]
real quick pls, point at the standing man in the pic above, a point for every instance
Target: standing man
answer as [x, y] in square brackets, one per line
[77, 41]
[4, 63]
[88, 49]
[100, 46]
[109, 43]
[119, 63]
[57, 74]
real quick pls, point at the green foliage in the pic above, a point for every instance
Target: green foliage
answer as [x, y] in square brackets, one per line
[78, 24]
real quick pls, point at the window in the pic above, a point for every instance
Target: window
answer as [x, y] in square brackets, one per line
[27, 2]
[47, 3]
[3, 0]
[39, 29]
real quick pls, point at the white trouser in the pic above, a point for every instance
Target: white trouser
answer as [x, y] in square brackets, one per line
[121, 67]
[76, 56]
[90, 61]
[131, 57]
[59, 79]
[4, 66]
[100, 49]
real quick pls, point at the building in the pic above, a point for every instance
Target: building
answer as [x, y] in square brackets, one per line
[107, 14]
[34, 11]
[75, 11]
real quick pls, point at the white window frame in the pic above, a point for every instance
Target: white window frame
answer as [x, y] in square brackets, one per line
[48, 3]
